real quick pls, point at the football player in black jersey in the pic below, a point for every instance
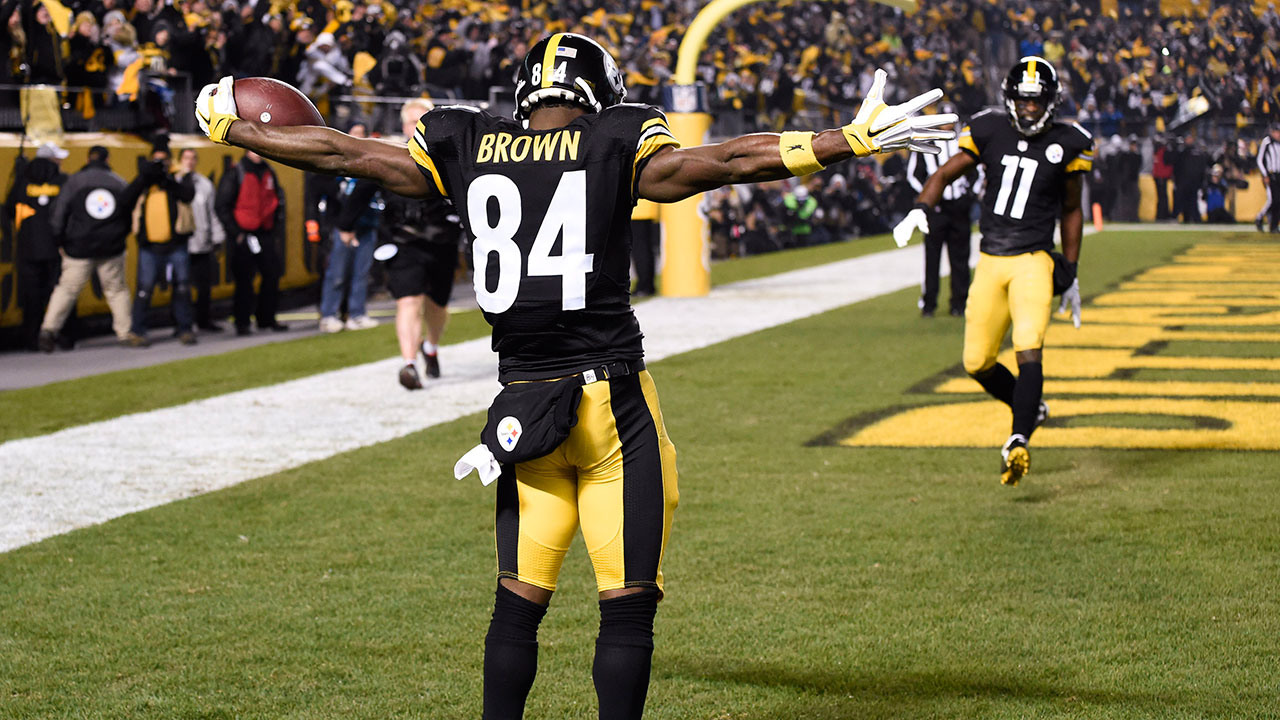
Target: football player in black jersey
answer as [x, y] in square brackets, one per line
[1034, 167]
[546, 200]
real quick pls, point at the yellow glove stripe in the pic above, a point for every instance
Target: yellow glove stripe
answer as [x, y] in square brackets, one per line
[797, 153]
[219, 126]
[856, 133]
[857, 143]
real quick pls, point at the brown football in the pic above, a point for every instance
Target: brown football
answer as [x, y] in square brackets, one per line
[272, 102]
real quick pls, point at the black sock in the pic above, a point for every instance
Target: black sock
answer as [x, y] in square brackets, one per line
[1026, 398]
[624, 651]
[998, 382]
[510, 655]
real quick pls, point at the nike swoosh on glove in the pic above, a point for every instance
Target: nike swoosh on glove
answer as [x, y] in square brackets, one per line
[917, 219]
[216, 109]
[879, 128]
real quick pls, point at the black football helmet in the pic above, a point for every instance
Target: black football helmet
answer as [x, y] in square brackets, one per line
[570, 67]
[1033, 78]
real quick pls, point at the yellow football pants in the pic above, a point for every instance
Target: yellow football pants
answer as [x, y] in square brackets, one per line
[615, 476]
[1015, 289]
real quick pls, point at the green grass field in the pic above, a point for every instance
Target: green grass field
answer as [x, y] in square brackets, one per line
[805, 581]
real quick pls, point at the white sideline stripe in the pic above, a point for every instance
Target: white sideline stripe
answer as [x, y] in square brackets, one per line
[92, 473]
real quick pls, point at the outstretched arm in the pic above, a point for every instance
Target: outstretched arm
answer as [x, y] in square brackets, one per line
[315, 149]
[959, 164]
[325, 150]
[675, 174]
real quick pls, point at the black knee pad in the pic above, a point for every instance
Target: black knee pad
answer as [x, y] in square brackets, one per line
[515, 619]
[628, 619]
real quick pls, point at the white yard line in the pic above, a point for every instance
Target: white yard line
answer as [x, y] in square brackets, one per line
[92, 473]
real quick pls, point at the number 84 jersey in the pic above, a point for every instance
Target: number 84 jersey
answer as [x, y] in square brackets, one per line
[1026, 179]
[549, 216]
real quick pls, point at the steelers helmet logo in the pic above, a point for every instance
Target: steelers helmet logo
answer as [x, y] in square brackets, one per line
[1053, 153]
[509, 432]
[100, 204]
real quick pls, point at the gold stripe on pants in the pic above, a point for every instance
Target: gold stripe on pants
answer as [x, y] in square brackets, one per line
[615, 477]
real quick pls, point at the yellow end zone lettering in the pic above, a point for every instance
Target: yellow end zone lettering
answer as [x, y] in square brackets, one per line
[1220, 293]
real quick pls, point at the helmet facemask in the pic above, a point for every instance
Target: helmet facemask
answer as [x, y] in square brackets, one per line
[1033, 78]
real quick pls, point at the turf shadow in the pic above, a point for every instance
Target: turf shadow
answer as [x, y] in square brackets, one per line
[909, 694]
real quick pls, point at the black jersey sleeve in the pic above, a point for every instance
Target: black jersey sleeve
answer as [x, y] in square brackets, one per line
[436, 141]
[977, 133]
[642, 130]
[1079, 149]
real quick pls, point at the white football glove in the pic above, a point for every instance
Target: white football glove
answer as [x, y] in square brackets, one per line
[216, 109]
[879, 128]
[917, 219]
[1071, 301]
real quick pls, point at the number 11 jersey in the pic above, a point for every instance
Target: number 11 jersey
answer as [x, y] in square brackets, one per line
[549, 216]
[1025, 179]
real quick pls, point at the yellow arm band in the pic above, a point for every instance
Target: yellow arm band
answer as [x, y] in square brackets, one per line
[796, 149]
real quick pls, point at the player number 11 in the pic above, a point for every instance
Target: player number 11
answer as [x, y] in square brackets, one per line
[566, 218]
[1011, 165]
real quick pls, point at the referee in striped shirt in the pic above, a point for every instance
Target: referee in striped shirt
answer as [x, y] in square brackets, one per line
[949, 227]
[1269, 166]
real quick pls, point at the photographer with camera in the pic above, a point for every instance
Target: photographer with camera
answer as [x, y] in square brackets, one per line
[163, 222]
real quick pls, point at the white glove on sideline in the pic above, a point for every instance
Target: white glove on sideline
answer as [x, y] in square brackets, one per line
[917, 219]
[1071, 301]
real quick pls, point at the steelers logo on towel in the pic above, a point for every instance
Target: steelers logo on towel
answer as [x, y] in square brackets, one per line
[509, 431]
[100, 204]
[1053, 153]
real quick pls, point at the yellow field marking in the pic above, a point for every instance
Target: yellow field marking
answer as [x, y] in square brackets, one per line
[1207, 273]
[1101, 363]
[985, 423]
[1271, 259]
[1270, 298]
[1221, 336]
[1230, 248]
[1194, 298]
[1063, 335]
[1206, 315]
[1144, 388]
[1231, 289]
[1091, 334]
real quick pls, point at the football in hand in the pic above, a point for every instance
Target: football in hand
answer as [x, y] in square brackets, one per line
[272, 102]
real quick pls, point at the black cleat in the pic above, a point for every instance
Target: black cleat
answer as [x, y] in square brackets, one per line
[409, 377]
[431, 363]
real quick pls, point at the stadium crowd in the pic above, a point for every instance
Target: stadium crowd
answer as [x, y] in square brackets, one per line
[1124, 73]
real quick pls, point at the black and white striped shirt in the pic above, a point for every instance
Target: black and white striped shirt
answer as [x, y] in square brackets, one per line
[1269, 156]
[922, 165]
